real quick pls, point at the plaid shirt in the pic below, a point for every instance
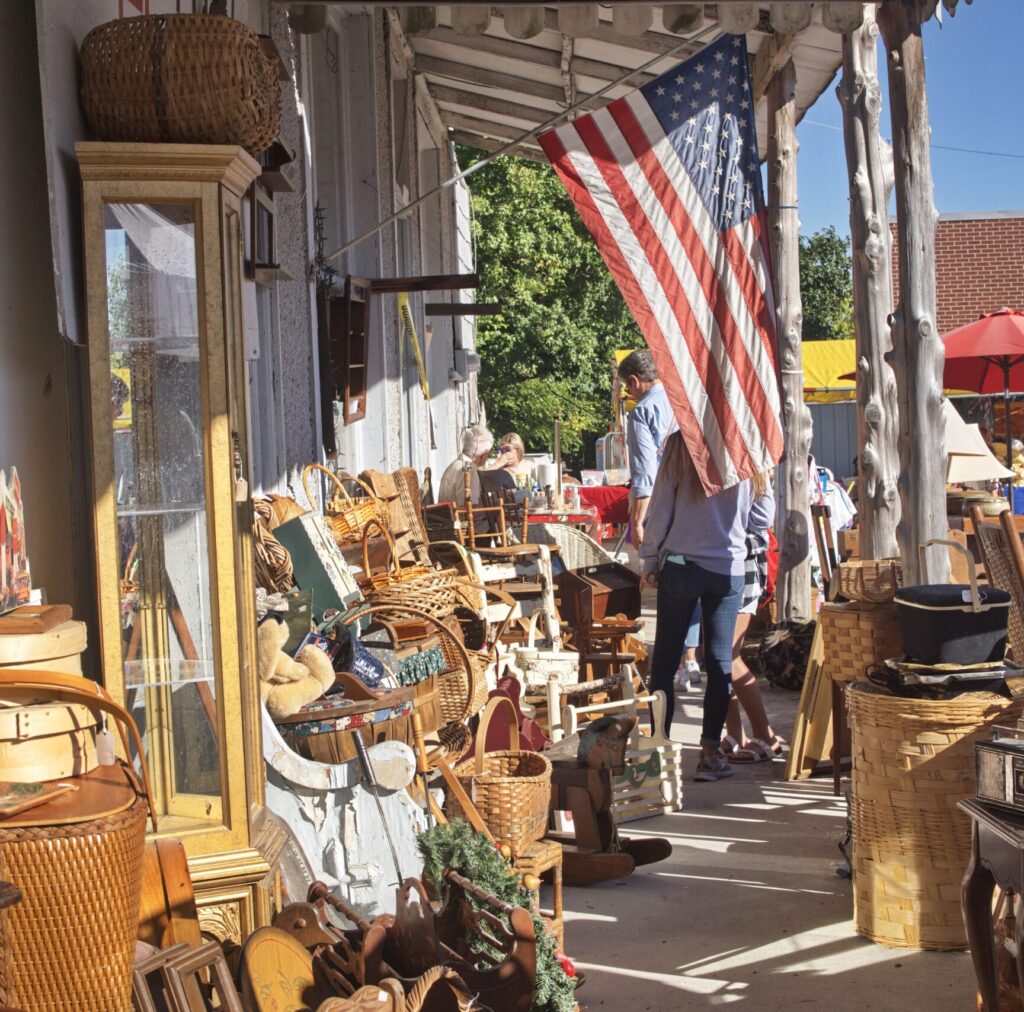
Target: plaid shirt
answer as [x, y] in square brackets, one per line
[755, 572]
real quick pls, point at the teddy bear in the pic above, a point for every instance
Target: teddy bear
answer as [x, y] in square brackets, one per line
[287, 685]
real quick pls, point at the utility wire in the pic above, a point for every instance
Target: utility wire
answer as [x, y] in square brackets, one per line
[941, 147]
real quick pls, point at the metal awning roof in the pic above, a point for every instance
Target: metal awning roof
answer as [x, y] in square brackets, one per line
[491, 88]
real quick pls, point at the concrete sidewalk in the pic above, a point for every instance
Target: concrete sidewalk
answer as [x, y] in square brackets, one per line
[749, 907]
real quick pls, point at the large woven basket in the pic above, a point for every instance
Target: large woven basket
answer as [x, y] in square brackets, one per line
[857, 635]
[913, 760]
[72, 938]
[511, 788]
[872, 581]
[346, 515]
[180, 78]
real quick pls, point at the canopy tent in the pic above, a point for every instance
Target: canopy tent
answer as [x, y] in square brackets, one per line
[825, 363]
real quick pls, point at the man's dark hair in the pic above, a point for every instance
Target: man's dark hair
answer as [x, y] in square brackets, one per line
[639, 363]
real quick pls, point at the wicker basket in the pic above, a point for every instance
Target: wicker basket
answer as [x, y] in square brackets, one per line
[347, 515]
[913, 760]
[872, 581]
[856, 636]
[511, 788]
[180, 78]
[72, 938]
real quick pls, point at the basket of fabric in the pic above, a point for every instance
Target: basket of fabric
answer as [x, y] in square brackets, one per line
[346, 515]
[180, 78]
[511, 788]
[871, 581]
[856, 636]
[913, 761]
[77, 861]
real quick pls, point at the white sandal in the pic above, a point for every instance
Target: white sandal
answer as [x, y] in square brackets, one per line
[755, 751]
[729, 746]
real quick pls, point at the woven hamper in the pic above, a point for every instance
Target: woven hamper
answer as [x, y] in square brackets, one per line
[856, 635]
[78, 863]
[913, 760]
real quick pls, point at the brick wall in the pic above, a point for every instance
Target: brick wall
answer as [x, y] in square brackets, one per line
[979, 267]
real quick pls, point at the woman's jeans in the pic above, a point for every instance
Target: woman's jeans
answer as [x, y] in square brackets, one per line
[692, 640]
[681, 589]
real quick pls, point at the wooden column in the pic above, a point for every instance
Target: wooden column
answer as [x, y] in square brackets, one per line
[918, 354]
[793, 520]
[869, 163]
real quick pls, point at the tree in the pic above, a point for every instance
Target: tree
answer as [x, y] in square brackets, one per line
[826, 286]
[550, 348]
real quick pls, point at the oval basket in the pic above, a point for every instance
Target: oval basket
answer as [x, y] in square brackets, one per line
[871, 581]
[180, 78]
[913, 760]
[346, 515]
[511, 788]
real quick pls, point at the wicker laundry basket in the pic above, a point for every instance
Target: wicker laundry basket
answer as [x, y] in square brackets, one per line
[913, 760]
[78, 863]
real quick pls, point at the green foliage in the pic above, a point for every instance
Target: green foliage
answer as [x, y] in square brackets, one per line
[562, 316]
[458, 846]
[826, 286]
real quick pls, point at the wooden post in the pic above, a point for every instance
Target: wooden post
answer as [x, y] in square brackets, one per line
[918, 354]
[869, 163]
[794, 580]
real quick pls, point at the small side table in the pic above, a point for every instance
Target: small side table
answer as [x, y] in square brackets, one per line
[997, 858]
[539, 857]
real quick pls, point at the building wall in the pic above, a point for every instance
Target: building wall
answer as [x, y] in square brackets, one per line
[979, 265]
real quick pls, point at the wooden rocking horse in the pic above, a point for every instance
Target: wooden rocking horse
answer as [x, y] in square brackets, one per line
[581, 783]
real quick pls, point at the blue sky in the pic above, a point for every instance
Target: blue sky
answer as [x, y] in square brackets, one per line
[975, 100]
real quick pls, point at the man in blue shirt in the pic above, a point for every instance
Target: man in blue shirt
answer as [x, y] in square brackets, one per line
[651, 422]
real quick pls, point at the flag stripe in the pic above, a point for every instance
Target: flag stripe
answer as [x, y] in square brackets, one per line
[686, 394]
[722, 276]
[682, 289]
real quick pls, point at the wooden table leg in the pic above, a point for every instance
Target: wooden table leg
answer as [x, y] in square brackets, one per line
[976, 898]
[837, 734]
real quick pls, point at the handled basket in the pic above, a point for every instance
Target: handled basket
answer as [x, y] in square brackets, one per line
[870, 581]
[72, 939]
[346, 515]
[433, 591]
[511, 788]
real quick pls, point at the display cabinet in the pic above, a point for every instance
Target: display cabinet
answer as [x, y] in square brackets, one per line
[172, 513]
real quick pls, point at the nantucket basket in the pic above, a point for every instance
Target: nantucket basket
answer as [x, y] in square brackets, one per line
[913, 760]
[180, 78]
[511, 788]
[872, 581]
[78, 863]
[346, 515]
[857, 635]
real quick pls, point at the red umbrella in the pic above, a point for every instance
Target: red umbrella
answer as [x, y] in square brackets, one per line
[987, 356]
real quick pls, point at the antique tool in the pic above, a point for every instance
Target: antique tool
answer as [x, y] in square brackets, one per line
[371, 780]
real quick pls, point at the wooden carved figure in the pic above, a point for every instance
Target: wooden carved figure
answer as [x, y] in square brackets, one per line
[581, 783]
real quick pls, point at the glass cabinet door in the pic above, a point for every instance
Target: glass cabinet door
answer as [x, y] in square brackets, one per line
[155, 317]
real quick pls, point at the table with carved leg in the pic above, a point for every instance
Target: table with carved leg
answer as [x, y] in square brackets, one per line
[997, 859]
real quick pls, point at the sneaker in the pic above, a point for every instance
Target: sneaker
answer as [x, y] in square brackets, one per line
[682, 681]
[693, 673]
[712, 769]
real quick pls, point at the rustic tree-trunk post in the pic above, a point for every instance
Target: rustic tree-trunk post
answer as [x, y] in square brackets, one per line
[869, 163]
[793, 520]
[918, 353]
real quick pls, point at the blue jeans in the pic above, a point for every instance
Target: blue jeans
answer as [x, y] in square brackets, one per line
[692, 640]
[681, 590]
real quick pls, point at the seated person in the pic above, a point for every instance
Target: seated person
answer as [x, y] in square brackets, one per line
[511, 458]
[476, 448]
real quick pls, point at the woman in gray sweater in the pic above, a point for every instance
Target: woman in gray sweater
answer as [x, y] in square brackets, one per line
[694, 550]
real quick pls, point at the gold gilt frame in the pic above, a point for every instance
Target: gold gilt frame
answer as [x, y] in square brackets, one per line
[228, 872]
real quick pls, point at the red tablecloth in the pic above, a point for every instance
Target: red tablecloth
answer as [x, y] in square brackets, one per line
[610, 501]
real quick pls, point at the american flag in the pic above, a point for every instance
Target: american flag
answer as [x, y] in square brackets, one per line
[667, 181]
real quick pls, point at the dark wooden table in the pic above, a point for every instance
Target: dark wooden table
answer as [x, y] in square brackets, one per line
[997, 858]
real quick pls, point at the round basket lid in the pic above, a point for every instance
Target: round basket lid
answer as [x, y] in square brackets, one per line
[103, 792]
[950, 595]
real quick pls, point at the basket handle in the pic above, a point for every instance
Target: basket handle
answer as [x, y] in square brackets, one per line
[972, 576]
[70, 689]
[393, 562]
[481, 732]
[307, 471]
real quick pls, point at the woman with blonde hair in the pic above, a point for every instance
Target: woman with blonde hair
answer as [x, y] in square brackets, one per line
[694, 550]
[511, 455]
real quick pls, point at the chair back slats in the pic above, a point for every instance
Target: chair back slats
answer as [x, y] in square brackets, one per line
[1003, 557]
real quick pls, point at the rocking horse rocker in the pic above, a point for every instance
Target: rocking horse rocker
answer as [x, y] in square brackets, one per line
[583, 766]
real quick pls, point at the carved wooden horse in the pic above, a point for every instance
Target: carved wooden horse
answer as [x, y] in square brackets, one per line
[581, 783]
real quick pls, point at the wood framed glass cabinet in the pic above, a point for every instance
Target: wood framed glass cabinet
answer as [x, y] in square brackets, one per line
[172, 514]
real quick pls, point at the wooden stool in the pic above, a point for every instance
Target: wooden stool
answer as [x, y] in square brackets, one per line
[539, 857]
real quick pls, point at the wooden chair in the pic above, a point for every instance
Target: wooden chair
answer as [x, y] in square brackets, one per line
[824, 538]
[1002, 554]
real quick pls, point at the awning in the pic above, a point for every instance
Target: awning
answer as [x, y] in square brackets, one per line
[824, 363]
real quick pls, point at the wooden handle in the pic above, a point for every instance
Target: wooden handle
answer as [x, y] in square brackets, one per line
[69, 689]
[307, 471]
[481, 732]
[393, 562]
